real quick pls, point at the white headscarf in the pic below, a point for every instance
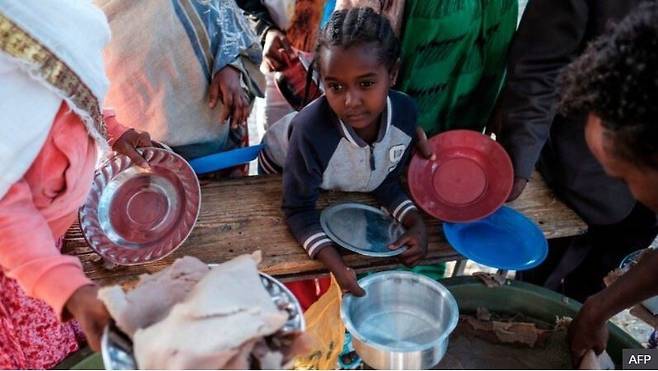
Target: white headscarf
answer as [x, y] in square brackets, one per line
[76, 32]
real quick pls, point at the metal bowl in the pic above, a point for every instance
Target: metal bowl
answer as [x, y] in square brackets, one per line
[117, 348]
[403, 321]
[134, 215]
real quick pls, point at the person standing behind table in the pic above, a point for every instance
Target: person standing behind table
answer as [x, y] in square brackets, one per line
[278, 44]
[183, 70]
[615, 85]
[358, 137]
[52, 131]
[550, 36]
[453, 59]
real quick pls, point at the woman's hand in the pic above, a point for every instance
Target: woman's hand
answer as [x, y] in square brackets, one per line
[128, 143]
[225, 86]
[90, 312]
[415, 239]
[345, 276]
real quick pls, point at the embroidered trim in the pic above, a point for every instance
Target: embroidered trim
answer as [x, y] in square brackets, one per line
[20, 45]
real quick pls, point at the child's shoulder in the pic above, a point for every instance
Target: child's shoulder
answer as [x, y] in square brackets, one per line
[315, 120]
[402, 100]
[404, 111]
[314, 132]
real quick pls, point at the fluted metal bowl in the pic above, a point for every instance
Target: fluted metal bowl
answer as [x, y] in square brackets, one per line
[133, 215]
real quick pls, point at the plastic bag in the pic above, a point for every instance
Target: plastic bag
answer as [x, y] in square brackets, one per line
[324, 325]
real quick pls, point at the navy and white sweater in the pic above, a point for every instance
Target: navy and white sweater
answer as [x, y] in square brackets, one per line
[324, 153]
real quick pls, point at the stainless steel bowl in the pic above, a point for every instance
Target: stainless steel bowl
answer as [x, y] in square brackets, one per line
[403, 321]
[117, 348]
[134, 216]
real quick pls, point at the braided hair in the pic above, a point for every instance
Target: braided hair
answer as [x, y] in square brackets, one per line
[616, 78]
[355, 26]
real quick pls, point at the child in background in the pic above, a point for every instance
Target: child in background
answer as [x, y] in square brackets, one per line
[356, 138]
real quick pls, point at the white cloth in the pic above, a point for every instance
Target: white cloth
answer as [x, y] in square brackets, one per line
[20, 143]
[76, 32]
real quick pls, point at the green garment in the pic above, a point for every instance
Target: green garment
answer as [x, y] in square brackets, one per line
[453, 59]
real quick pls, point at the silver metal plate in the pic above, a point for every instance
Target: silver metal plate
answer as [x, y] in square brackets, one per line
[362, 229]
[117, 348]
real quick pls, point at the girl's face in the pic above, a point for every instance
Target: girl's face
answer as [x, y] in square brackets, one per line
[356, 83]
[642, 181]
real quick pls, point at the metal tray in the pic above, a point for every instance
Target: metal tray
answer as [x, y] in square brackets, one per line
[134, 215]
[117, 348]
[362, 229]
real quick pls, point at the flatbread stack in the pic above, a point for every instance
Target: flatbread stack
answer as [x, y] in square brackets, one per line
[191, 317]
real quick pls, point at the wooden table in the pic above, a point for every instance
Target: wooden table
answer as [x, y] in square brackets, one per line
[243, 215]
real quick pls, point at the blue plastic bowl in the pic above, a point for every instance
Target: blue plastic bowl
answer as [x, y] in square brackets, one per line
[505, 240]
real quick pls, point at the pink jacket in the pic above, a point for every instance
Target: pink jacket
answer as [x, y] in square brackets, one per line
[38, 209]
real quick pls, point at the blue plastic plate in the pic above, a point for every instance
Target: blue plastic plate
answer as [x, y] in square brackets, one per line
[224, 160]
[505, 240]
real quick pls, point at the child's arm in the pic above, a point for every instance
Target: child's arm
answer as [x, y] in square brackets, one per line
[29, 255]
[391, 195]
[302, 177]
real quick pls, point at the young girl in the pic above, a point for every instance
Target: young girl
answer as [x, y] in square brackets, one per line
[355, 138]
[51, 123]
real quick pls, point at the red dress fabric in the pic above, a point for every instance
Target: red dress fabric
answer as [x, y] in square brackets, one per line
[31, 337]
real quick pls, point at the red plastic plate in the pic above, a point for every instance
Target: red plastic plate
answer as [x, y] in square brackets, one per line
[471, 177]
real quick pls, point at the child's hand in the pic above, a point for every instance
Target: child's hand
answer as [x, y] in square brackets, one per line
[423, 145]
[415, 239]
[225, 86]
[128, 143]
[85, 307]
[345, 276]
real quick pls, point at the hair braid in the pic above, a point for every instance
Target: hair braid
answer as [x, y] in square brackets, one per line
[355, 26]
